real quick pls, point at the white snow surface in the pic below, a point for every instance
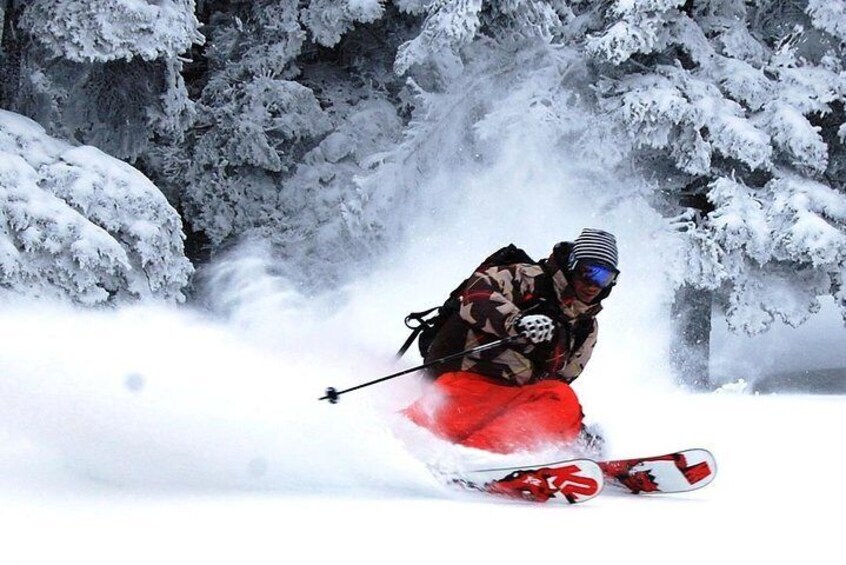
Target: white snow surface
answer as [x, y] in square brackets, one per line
[159, 435]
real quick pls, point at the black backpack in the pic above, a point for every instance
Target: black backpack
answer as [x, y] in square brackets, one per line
[428, 323]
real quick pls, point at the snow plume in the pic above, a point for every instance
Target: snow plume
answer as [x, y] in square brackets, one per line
[158, 398]
[164, 397]
[495, 164]
[511, 153]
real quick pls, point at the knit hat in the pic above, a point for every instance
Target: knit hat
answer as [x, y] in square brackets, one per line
[595, 245]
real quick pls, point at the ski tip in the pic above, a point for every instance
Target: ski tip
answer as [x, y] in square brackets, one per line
[702, 459]
[708, 461]
[680, 471]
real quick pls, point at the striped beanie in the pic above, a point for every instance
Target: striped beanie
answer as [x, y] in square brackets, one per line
[595, 245]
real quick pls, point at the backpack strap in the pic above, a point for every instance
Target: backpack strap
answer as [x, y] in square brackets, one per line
[416, 322]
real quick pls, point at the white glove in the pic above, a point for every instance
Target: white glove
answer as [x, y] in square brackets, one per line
[537, 328]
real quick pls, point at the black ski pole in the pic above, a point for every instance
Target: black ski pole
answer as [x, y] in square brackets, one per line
[332, 394]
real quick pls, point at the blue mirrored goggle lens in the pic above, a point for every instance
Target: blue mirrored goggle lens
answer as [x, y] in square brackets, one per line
[596, 275]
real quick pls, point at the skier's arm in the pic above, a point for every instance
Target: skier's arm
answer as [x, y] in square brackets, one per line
[488, 301]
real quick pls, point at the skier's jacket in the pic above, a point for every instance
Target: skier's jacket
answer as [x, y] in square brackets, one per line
[490, 302]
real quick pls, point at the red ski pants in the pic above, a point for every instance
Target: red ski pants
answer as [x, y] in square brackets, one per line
[480, 412]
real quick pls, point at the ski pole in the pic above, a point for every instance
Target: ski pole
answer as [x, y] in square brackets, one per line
[332, 394]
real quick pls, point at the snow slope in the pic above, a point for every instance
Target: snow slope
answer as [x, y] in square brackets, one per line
[151, 435]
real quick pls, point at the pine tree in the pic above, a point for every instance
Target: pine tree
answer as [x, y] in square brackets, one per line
[295, 102]
[104, 72]
[742, 103]
[78, 224]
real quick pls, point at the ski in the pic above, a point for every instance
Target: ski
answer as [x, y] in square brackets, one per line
[682, 471]
[570, 481]
[573, 481]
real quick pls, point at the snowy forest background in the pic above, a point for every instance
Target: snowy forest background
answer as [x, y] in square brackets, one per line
[142, 139]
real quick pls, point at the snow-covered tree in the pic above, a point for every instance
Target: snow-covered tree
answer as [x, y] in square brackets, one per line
[328, 20]
[741, 104]
[78, 224]
[450, 25]
[102, 72]
[288, 117]
[107, 30]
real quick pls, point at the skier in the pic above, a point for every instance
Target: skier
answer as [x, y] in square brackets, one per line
[518, 396]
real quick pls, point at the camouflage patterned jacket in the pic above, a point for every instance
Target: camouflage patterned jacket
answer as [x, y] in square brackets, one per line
[492, 301]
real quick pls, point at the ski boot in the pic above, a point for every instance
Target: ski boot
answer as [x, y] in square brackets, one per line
[590, 443]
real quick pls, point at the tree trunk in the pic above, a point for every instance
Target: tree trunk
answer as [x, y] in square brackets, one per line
[9, 54]
[690, 349]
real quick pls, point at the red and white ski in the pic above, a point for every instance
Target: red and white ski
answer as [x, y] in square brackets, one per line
[681, 471]
[570, 481]
[577, 480]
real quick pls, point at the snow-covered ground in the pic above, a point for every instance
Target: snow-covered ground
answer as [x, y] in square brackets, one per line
[768, 502]
[154, 435]
[767, 505]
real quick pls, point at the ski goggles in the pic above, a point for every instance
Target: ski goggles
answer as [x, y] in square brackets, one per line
[596, 275]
